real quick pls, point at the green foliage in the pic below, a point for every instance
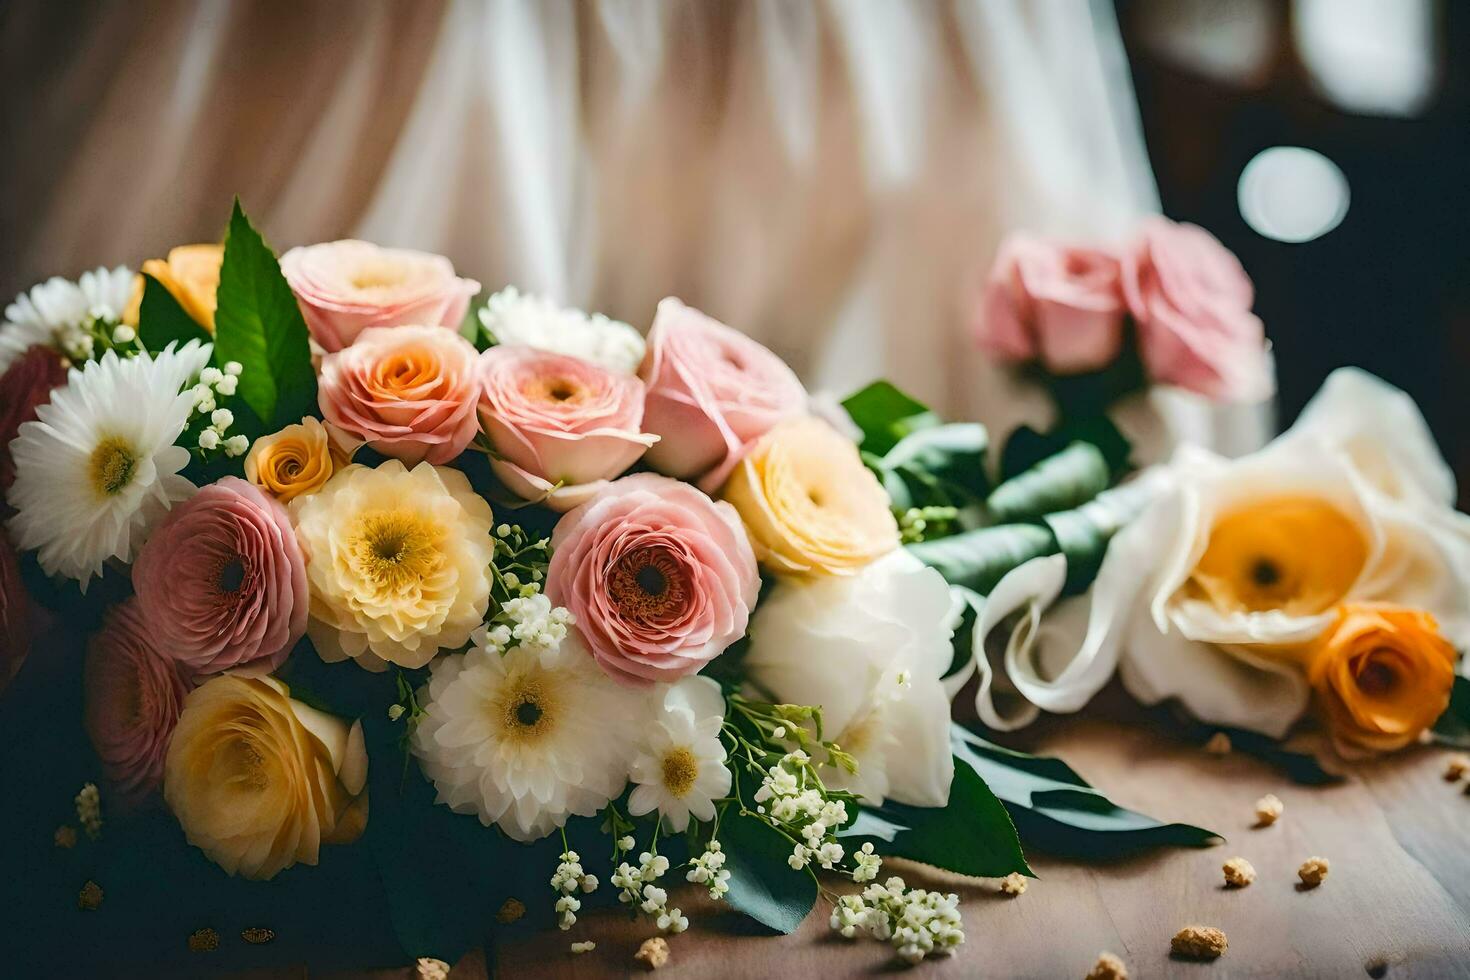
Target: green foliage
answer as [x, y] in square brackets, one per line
[1068, 479]
[161, 320]
[980, 558]
[259, 324]
[939, 466]
[1026, 447]
[1453, 727]
[1056, 810]
[886, 415]
[762, 885]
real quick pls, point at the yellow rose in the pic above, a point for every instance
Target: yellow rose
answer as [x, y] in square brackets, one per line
[258, 781]
[191, 275]
[397, 561]
[298, 460]
[1382, 674]
[809, 503]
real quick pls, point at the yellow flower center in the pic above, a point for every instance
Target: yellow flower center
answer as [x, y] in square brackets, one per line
[396, 549]
[245, 765]
[377, 276]
[113, 463]
[679, 771]
[527, 710]
[554, 389]
[1298, 555]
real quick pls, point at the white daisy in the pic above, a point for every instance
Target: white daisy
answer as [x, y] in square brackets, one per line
[99, 467]
[57, 312]
[512, 317]
[527, 738]
[680, 769]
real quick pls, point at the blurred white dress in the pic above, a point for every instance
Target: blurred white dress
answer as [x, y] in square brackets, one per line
[830, 177]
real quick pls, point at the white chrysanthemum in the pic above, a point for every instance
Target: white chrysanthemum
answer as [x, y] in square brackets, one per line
[526, 739]
[54, 313]
[513, 317]
[680, 769]
[99, 467]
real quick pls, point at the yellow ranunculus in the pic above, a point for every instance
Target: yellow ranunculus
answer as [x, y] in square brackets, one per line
[809, 503]
[1299, 555]
[297, 460]
[191, 274]
[1382, 674]
[397, 561]
[259, 781]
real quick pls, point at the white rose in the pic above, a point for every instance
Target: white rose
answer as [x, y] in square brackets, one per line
[1200, 598]
[870, 649]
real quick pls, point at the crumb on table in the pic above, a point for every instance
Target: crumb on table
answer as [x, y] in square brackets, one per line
[654, 952]
[1013, 884]
[1108, 967]
[1239, 872]
[1456, 768]
[1268, 810]
[1199, 942]
[428, 968]
[1219, 744]
[1312, 871]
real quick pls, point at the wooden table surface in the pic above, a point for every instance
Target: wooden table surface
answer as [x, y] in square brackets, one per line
[1396, 903]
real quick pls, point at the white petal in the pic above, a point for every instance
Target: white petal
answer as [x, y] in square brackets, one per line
[920, 764]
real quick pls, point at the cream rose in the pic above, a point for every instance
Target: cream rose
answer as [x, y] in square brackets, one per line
[809, 503]
[397, 561]
[1245, 560]
[259, 781]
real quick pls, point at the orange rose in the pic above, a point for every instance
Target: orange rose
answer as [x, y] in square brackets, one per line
[298, 460]
[1382, 674]
[191, 274]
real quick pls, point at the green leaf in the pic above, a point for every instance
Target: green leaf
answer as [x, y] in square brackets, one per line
[1055, 809]
[161, 320]
[942, 466]
[259, 324]
[1453, 727]
[979, 559]
[1060, 482]
[972, 835]
[762, 884]
[1026, 447]
[885, 415]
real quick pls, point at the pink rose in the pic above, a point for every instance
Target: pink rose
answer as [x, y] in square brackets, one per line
[409, 392]
[133, 696]
[26, 383]
[711, 390]
[554, 418]
[661, 579]
[15, 633]
[1061, 304]
[345, 287]
[222, 583]
[1191, 301]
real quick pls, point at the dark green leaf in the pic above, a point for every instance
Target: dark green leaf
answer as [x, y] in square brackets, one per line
[972, 835]
[762, 884]
[161, 320]
[1060, 482]
[979, 559]
[1057, 810]
[1453, 727]
[259, 324]
[942, 466]
[1026, 447]
[885, 415]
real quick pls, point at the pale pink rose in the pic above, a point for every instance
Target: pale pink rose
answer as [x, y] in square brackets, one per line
[345, 287]
[711, 390]
[1057, 303]
[1191, 301]
[557, 419]
[133, 696]
[221, 583]
[661, 579]
[409, 392]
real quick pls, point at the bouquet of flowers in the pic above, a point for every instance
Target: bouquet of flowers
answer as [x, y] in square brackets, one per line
[446, 596]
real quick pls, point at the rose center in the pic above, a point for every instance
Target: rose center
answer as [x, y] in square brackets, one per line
[651, 580]
[647, 584]
[1377, 678]
[1265, 572]
[113, 464]
[232, 575]
[679, 771]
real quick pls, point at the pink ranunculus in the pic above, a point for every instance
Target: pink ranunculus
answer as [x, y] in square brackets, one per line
[558, 419]
[221, 583]
[1191, 301]
[1061, 304]
[133, 696]
[345, 287]
[711, 391]
[409, 392]
[26, 383]
[660, 578]
[15, 632]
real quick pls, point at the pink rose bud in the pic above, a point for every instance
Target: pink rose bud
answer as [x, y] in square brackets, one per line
[222, 583]
[554, 419]
[1060, 304]
[409, 392]
[345, 287]
[26, 384]
[133, 696]
[1191, 301]
[660, 578]
[711, 390]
